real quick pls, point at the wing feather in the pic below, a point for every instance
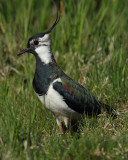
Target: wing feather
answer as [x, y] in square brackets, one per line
[77, 97]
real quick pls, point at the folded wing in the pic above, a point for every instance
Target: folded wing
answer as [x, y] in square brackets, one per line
[77, 97]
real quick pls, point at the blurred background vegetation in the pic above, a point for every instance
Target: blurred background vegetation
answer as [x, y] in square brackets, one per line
[90, 43]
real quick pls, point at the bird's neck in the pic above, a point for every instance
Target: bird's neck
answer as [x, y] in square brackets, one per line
[44, 75]
[44, 53]
[47, 70]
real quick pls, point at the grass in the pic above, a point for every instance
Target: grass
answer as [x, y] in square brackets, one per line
[90, 45]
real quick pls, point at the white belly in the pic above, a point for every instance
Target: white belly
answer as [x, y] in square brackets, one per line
[54, 102]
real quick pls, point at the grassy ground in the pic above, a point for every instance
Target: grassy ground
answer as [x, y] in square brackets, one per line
[90, 44]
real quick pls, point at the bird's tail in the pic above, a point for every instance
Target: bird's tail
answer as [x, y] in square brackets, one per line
[110, 110]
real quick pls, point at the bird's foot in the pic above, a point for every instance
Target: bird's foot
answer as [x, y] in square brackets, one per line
[60, 129]
[67, 131]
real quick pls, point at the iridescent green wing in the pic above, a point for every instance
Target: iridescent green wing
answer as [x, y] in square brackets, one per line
[76, 96]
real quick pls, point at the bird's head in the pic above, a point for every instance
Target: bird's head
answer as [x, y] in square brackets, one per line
[40, 44]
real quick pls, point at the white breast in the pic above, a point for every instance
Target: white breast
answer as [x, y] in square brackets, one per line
[55, 103]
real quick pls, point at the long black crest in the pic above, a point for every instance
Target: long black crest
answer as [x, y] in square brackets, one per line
[56, 21]
[42, 34]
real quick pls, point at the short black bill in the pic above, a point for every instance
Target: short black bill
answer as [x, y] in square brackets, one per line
[23, 51]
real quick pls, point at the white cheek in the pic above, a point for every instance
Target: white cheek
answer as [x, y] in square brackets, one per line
[44, 54]
[45, 39]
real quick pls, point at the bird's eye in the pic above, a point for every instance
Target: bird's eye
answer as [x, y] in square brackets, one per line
[36, 42]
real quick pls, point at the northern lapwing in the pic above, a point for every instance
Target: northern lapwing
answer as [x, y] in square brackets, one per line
[64, 97]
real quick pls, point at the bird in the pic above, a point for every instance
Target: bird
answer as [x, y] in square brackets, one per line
[67, 99]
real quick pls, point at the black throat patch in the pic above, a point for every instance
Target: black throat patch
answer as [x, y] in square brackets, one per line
[42, 78]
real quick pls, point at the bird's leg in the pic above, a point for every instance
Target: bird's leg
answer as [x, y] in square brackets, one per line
[67, 131]
[60, 126]
[66, 121]
[60, 129]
